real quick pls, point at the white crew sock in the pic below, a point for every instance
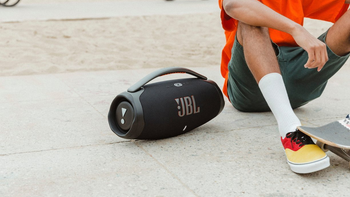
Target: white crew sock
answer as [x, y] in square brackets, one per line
[275, 94]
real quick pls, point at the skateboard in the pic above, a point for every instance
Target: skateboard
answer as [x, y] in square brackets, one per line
[334, 137]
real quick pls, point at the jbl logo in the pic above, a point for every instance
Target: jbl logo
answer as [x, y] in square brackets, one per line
[187, 106]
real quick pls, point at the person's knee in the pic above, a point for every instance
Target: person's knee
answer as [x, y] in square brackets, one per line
[338, 36]
[245, 31]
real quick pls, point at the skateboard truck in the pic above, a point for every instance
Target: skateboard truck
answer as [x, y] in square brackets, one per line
[334, 137]
[343, 153]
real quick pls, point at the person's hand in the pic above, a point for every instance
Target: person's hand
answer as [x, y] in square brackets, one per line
[316, 49]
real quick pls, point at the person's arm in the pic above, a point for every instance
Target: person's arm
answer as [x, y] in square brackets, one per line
[254, 13]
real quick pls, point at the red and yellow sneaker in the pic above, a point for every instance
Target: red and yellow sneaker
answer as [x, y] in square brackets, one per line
[303, 155]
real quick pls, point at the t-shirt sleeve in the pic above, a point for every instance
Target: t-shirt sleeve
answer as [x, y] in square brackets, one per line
[228, 23]
[327, 10]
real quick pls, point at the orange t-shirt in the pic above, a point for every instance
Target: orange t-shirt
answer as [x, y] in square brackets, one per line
[296, 10]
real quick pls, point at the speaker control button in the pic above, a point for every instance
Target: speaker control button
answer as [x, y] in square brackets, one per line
[125, 115]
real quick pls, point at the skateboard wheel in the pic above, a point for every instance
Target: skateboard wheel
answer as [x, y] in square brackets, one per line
[322, 146]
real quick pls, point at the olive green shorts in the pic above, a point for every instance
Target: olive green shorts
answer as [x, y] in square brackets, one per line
[302, 84]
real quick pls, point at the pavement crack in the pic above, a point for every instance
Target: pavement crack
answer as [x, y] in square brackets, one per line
[65, 148]
[166, 169]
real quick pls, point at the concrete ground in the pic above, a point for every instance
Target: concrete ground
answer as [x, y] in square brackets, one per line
[55, 141]
[25, 11]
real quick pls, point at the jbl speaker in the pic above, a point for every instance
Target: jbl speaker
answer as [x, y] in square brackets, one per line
[167, 108]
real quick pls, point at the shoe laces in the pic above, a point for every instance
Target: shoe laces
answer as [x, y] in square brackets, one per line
[299, 138]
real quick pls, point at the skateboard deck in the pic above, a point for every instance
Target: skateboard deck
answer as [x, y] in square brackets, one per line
[334, 136]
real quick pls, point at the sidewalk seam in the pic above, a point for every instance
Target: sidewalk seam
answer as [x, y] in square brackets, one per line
[166, 169]
[54, 149]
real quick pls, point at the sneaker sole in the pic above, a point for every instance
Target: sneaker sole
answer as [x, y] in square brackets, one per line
[306, 168]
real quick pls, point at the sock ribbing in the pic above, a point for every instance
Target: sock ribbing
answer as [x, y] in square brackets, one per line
[276, 96]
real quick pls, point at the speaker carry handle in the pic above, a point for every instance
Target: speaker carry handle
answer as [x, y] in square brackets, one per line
[165, 71]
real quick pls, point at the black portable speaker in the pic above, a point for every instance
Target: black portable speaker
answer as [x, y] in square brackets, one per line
[165, 109]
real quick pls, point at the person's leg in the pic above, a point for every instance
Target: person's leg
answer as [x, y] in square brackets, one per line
[254, 75]
[262, 62]
[258, 51]
[304, 85]
[338, 37]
